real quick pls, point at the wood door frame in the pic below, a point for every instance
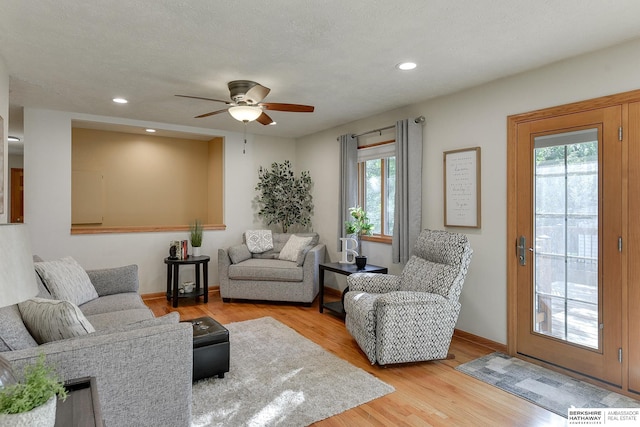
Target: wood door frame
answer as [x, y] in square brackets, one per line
[15, 193]
[512, 207]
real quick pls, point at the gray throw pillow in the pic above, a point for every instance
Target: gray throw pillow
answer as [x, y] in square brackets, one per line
[66, 280]
[239, 253]
[294, 247]
[51, 320]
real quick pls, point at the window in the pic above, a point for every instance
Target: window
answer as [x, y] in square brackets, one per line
[376, 187]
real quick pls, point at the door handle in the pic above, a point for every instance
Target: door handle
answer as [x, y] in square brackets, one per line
[521, 250]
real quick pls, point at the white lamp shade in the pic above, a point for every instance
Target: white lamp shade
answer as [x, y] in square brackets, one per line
[17, 274]
[245, 113]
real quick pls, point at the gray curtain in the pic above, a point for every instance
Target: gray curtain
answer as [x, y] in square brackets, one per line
[348, 181]
[408, 205]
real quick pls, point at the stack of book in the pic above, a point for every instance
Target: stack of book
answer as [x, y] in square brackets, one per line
[181, 249]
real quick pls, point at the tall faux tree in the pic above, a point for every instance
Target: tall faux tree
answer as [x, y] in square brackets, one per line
[284, 199]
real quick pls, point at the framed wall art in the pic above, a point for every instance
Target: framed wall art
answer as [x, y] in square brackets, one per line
[462, 188]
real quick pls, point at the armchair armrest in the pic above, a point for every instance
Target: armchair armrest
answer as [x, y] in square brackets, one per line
[314, 257]
[374, 283]
[224, 261]
[143, 375]
[109, 281]
[311, 268]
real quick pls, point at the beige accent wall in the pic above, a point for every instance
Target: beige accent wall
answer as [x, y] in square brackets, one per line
[149, 180]
[216, 184]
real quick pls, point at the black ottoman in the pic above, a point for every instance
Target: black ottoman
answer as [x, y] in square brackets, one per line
[210, 348]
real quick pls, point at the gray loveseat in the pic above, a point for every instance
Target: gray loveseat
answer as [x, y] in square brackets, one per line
[142, 364]
[263, 276]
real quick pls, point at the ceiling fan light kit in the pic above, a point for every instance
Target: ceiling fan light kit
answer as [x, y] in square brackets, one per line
[245, 113]
[246, 103]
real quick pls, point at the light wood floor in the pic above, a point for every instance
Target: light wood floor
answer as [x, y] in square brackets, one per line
[427, 394]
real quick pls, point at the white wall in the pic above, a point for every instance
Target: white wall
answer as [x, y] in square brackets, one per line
[47, 165]
[4, 113]
[475, 117]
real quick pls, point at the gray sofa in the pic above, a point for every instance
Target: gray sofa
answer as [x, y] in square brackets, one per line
[142, 364]
[262, 276]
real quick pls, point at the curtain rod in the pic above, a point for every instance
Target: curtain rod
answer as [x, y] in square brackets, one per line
[420, 119]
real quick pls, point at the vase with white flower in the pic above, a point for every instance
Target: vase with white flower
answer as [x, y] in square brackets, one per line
[359, 226]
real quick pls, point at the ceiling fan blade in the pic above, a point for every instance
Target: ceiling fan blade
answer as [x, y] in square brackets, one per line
[257, 93]
[264, 119]
[295, 108]
[213, 113]
[206, 99]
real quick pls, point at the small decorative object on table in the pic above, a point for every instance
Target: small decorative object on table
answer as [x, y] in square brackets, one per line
[196, 237]
[33, 401]
[188, 287]
[361, 262]
[173, 251]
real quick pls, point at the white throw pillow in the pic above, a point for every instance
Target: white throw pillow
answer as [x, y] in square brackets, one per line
[258, 241]
[52, 320]
[67, 280]
[294, 246]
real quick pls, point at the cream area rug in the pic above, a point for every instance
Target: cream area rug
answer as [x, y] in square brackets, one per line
[277, 377]
[551, 390]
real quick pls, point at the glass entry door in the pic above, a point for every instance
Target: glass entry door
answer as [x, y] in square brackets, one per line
[569, 192]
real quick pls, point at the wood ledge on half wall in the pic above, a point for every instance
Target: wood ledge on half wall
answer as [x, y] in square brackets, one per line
[140, 229]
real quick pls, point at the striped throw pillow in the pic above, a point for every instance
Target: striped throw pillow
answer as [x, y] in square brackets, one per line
[52, 320]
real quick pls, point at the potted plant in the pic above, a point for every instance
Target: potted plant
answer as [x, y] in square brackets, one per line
[359, 226]
[32, 401]
[284, 199]
[196, 237]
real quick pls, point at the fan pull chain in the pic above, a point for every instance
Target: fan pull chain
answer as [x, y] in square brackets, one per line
[244, 148]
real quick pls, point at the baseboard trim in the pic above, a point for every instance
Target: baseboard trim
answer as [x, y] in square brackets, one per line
[495, 346]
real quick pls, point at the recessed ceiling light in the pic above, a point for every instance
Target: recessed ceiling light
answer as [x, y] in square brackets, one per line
[120, 100]
[151, 130]
[405, 66]
[13, 138]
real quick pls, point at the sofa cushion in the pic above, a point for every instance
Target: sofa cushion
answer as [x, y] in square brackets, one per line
[266, 269]
[239, 253]
[13, 333]
[111, 281]
[111, 303]
[294, 247]
[425, 276]
[258, 241]
[167, 319]
[104, 321]
[66, 280]
[53, 320]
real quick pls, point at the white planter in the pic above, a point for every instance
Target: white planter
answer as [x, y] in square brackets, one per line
[42, 416]
[195, 251]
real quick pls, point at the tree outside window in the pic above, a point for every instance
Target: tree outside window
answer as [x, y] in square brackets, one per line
[376, 184]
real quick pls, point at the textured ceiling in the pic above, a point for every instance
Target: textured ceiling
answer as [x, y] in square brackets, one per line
[76, 55]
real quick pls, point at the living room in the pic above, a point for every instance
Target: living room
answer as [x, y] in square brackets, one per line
[473, 116]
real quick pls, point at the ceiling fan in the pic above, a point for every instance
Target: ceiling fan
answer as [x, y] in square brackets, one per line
[246, 103]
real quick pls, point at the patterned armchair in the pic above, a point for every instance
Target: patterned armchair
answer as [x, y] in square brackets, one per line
[410, 317]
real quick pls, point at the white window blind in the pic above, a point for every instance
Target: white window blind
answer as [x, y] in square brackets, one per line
[377, 152]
